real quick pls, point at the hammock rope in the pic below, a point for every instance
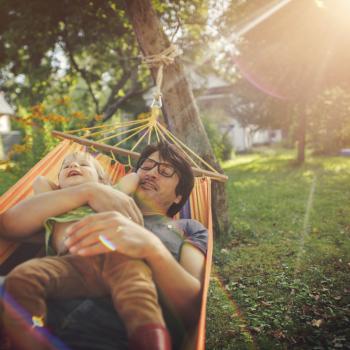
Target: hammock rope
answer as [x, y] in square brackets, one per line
[134, 131]
[160, 60]
[92, 128]
[142, 129]
[121, 125]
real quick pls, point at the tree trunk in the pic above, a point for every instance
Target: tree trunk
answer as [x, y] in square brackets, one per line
[301, 136]
[179, 107]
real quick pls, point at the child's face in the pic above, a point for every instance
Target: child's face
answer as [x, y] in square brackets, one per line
[77, 169]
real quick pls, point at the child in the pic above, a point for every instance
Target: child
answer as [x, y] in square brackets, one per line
[129, 281]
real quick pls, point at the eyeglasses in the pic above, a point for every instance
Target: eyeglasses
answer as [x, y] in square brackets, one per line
[164, 169]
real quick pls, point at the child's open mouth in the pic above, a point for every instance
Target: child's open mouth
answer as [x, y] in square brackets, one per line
[74, 173]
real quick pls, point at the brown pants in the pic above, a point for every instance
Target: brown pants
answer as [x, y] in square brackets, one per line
[129, 281]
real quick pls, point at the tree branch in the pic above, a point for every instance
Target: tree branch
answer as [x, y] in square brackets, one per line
[110, 110]
[122, 81]
[83, 74]
[116, 104]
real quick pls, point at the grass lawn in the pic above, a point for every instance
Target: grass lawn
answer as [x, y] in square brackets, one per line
[282, 280]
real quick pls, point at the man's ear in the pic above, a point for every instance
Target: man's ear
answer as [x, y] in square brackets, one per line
[178, 199]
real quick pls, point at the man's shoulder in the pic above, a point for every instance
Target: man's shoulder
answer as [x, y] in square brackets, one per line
[190, 225]
[195, 233]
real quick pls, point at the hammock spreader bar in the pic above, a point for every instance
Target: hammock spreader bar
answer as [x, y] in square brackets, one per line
[135, 155]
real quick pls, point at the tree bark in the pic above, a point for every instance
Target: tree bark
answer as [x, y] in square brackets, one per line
[301, 136]
[179, 106]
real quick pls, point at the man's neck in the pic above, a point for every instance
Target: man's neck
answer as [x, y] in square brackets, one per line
[147, 211]
[151, 213]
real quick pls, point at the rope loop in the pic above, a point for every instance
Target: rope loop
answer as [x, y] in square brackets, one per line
[160, 60]
[164, 58]
[157, 101]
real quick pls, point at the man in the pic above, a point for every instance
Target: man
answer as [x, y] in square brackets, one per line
[176, 260]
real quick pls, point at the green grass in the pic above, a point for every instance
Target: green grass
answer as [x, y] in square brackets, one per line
[282, 279]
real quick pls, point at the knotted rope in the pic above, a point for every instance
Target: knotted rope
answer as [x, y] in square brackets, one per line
[160, 60]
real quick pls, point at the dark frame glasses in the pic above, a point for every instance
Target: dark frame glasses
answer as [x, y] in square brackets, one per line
[164, 169]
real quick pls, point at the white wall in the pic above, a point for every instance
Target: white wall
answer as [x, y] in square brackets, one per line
[5, 124]
[243, 138]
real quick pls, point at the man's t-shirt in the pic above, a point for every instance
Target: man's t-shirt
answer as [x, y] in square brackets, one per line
[175, 233]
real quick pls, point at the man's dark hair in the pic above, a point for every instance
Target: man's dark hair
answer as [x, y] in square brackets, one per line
[170, 153]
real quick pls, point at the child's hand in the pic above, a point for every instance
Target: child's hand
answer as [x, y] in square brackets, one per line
[128, 184]
[42, 184]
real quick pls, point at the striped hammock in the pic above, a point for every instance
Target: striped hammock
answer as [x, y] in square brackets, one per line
[198, 208]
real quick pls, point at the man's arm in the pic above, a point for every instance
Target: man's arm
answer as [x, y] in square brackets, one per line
[180, 283]
[41, 184]
[28, 216]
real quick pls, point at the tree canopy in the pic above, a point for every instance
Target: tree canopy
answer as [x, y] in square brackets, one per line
[87, 53]
[50, 47]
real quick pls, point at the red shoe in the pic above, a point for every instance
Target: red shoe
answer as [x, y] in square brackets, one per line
[150, 337]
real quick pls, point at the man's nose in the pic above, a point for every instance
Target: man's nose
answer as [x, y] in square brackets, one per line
[153, 172]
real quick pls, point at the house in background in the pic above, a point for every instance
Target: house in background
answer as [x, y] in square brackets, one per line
[7, 136]
[218, 101]
[215, 98]
[218, 97]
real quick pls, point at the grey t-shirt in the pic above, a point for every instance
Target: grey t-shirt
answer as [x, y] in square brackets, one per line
[175, 233]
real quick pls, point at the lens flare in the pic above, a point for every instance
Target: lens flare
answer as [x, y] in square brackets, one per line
[33, 325]
[107, 243]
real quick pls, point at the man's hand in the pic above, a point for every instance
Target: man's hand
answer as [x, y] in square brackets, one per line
[103, 198]
[110, 231]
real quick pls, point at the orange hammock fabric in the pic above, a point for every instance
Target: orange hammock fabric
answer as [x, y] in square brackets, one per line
[200, 200]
